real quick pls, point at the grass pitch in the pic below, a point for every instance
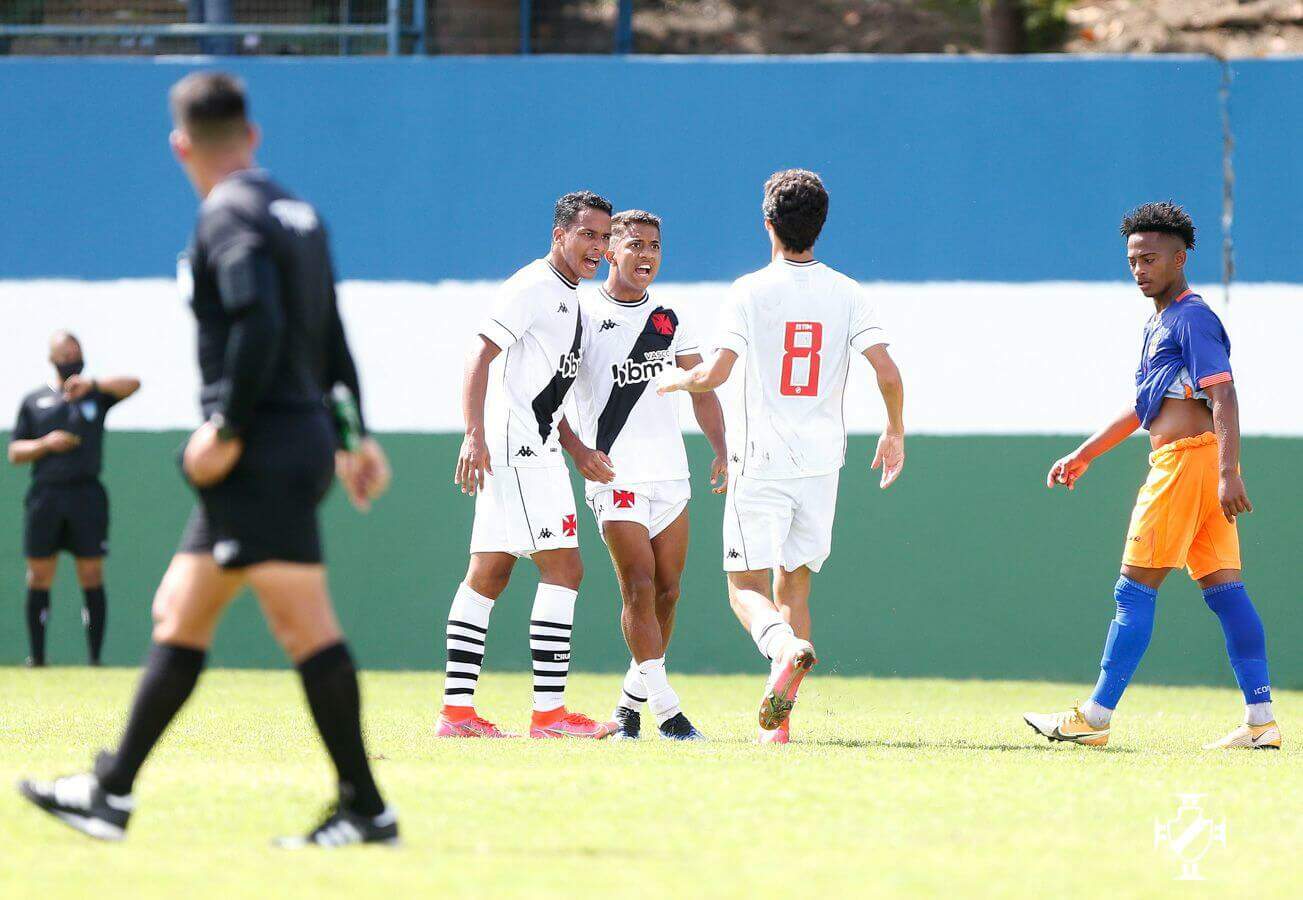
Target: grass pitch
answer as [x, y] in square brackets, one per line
[896, 787]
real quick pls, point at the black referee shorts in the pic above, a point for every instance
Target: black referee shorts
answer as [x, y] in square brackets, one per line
[72, 516]
[266, 509]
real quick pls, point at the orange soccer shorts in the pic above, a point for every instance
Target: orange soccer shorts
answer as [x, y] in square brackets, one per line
[1178, 519]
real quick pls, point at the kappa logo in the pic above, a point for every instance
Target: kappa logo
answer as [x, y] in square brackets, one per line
[563, 307]
[526, 451]
[569, 526]
[735, 458]
[662, 323]
[733, 554]
[623, 499]
[608, 324]
[545, 533]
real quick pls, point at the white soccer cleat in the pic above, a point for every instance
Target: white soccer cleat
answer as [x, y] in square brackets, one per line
[1069, 726]
[1249, 737]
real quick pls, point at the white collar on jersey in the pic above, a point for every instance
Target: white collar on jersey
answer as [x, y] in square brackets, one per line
[801, 264]
[624, 304]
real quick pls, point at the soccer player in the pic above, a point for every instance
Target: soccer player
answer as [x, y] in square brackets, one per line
[798, 323]
[1186, 510]
[271, 346]
[511, 462]
[60, 431]
[632, 456]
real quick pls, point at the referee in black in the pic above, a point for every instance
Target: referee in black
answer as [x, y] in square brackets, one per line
[60, 431]
[271, 351]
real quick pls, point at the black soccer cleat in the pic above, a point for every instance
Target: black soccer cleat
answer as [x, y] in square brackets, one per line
[678, 728]
[342, 827]
[79, 802]
[630, 722]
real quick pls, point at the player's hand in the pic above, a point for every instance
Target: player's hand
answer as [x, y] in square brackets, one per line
[719, 475]
[77, 386]
[365, 473]
[472, 463]
[208, 459]
[1233, 497]
[671, 379]
[1067, 471]
[594, 465]
[890, 457]
[60, 441]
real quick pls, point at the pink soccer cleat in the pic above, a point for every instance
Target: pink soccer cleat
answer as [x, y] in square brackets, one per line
[558, 723]
[780, 735]
[457, 724]
[797, 659]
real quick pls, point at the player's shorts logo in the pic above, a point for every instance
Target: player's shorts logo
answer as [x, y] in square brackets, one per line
[623, 499]
[569, 527]
[544, 534]
[662, 323]
[733, 554]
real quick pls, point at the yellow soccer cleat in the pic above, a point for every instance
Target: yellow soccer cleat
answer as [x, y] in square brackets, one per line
[1070, 726]
[1249, 737]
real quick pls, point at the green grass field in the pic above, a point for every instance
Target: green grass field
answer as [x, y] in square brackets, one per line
[896, 787]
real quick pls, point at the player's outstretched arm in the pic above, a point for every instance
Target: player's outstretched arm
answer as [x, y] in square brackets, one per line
[592, 464]
[706, 376]
[23, 451]
[473, 460]
[119, 387]
[890, 455]
[1067, 470]
[1226, 423]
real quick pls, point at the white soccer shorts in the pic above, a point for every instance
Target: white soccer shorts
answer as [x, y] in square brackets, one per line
[654, 504]
[779, 522]
[523, 511]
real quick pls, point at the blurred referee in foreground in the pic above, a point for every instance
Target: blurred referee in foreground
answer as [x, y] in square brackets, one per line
[271, 348]
[60, 431]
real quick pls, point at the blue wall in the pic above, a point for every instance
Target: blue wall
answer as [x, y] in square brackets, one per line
[939, 168]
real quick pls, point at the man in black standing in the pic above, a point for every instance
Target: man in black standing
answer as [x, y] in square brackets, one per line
[271, 350]
[60, 431]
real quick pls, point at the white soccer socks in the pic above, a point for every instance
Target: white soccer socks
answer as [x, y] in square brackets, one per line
[662, 700]
[633, 694]
[1258, 713]
[550, 623]
[468, 625]
[771, 632]
[1098, 716]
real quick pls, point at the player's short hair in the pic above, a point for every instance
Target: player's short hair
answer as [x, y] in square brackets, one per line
[62, 335]
[1164, 217]
[209, 106]
[621, 221]
[796, 204]
[570, 205]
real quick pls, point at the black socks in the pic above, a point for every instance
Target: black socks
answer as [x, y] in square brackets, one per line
[170, 675]
[94, 614]
[38, 610]
[330, 682]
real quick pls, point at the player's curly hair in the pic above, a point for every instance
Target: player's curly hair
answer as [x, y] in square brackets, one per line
[796, 204]
[621, 221]
[572, 204]
[1164, 217]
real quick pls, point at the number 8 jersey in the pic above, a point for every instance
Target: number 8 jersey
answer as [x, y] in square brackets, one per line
[797, 326]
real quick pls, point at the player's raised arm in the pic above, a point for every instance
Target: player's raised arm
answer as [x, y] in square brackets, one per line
[890, 455]
[1071, 467]
[1226, 424]
[116, 387]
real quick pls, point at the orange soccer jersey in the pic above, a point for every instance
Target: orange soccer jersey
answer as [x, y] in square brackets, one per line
[1178, 519]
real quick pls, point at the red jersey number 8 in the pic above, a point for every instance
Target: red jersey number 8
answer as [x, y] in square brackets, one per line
[802, 341]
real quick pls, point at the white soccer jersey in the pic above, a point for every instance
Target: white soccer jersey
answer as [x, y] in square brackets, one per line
[536, 321]
[798, 325]
[626, 345]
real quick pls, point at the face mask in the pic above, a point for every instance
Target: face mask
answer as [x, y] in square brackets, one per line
[69, 369]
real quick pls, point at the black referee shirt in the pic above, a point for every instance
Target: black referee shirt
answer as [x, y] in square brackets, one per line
[270, 336]
[44, 410]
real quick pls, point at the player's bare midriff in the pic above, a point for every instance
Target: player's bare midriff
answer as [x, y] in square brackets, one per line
[1178, 418]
